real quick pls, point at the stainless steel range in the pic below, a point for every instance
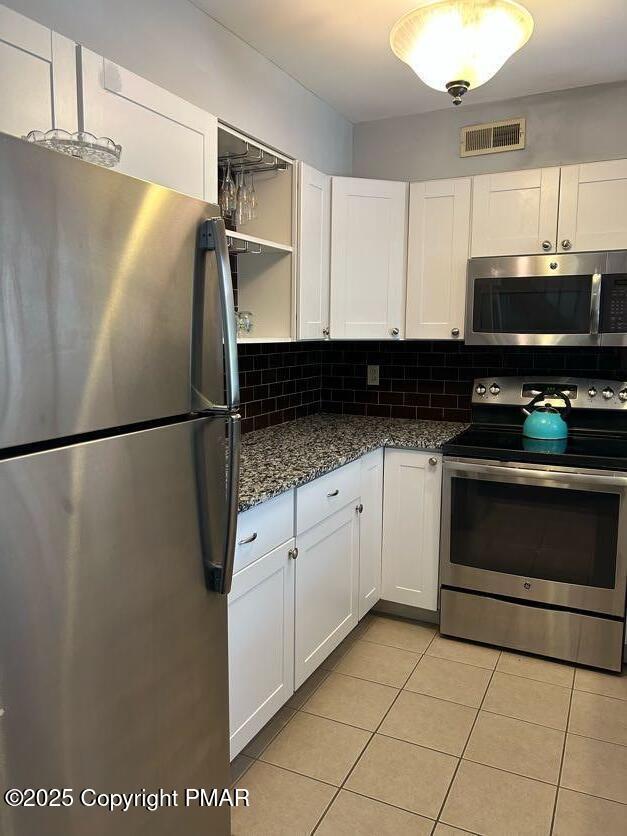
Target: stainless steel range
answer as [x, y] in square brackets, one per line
[534, 533]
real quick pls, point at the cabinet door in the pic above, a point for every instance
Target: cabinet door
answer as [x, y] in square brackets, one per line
[439, 231]
[368, 258]
[314, 241]
[327, 572]
[164, 139]
[411, 527]
[38, 71]
[593, 207]
[370, 530]
[261, 643]
[515, 212]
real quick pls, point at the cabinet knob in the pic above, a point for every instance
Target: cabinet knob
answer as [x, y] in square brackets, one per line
[395, 332]
[325, 332]
[566, 244]
[293, 553]
[455, 332]
[546, 245]
[359, 508]
[433, 461]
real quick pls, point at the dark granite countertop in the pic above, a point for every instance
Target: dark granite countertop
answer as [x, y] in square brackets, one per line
[288, 455]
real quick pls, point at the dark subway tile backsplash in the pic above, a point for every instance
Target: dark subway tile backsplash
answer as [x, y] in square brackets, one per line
[432, 380]
[279, 382]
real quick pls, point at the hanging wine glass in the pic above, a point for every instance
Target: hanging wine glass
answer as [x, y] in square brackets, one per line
[242, 211]
[252, 198]
[223, 197]
[232, 192]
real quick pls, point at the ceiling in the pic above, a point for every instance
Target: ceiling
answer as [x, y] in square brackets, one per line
[340, 50]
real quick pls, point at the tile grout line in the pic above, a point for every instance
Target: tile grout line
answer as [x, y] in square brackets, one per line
[362, 637]
[450, 786]
[598, 739]
[559, 776]
[353, 767]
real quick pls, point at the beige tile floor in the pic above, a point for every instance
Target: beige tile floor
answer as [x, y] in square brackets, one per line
[403, 731]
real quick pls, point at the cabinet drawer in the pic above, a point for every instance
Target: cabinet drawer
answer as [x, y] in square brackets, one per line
[326, 495]
[263, 528]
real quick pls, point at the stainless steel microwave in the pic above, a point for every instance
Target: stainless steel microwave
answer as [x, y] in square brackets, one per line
[575, 299]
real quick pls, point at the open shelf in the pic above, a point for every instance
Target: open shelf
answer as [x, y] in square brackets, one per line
[274, 181]
[271, 246]
[262, 250]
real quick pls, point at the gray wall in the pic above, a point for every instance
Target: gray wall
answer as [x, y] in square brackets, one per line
[578, 125]
[175, 45]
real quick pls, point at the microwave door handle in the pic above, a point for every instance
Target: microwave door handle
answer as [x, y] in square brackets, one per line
[213, 239]
[595, 304]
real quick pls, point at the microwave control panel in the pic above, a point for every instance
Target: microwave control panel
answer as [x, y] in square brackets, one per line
[613, 319]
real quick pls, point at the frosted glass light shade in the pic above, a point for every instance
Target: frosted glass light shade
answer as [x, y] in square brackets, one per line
[460, 40]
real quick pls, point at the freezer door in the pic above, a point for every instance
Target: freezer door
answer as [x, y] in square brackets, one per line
[113, 653]
[97, 271]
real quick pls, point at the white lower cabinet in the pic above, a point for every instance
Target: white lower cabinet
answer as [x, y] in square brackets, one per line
[261, 643]
[327, 571]
[370, 530]
[411, 528]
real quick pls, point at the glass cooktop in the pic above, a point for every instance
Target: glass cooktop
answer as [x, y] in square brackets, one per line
[598, 451]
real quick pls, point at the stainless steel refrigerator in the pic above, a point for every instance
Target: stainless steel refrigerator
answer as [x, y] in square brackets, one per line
[119, 451]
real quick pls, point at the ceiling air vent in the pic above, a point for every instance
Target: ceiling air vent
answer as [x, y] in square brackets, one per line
[493, 137]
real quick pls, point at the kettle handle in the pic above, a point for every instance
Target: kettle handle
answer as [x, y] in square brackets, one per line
[536, 398]
[542, 396]
[566, 400]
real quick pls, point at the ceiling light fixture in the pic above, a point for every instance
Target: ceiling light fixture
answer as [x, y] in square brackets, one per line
[457, 45]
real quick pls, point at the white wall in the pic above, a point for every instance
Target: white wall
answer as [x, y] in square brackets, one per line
[175, 45]
[578, 125]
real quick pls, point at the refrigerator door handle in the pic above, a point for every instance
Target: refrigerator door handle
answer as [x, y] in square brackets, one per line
[219, 568]
[235, 438]
[213, 239]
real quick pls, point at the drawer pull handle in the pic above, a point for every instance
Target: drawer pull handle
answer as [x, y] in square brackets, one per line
[333, 493]
[246, 540]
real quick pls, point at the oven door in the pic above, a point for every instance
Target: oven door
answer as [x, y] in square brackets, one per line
[535, 300]
[548, 535]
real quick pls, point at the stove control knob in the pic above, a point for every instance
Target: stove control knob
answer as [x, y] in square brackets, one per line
[623, 395]
[608, 393]
[592, 392]
[495, 389]
[480, 389]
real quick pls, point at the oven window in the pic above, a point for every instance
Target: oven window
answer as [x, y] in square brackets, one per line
[537, 532]
[541, 305]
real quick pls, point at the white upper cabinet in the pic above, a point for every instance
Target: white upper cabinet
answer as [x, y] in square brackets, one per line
[38, 72]
[593, 207]
[412, 496]
[164, 139]
[439, 232]
[368, 258]
[314, 230]
[515, 212]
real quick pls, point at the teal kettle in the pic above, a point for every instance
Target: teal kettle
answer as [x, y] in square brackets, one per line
[546, 422]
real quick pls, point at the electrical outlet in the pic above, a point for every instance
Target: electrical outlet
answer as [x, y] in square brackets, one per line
[373, 375]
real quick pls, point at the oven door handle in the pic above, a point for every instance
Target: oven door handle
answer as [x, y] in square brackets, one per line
[570, 477]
